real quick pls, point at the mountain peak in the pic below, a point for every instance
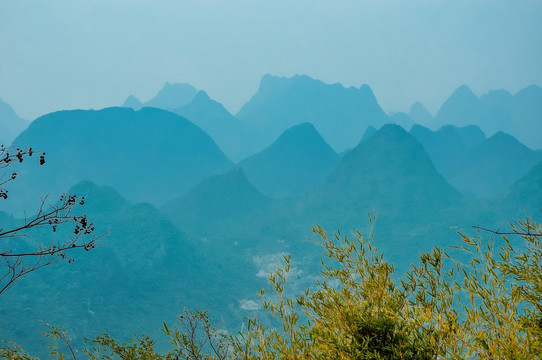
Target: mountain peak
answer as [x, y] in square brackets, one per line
[172, 96]
[464, 91]
[295, 163]
[462, 96]
[367, 91]
[391, 139]
[229, 183]
[532, 88]
[419, 114]
[298, 132]
[501, 138]
[223, 195]
[201, 95]
[391, 130]
[402, 120]
[158, 141]
[132, 102]
[463, 107]
[271, 83]
[390, 143]
[370, 131]
[390, 173]
[303, 137]
[340, 114]
[531, 91]
[418, 107]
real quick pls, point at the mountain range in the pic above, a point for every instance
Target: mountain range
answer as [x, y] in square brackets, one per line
[149, 155]
[216, 121]
[517, 115]
[171, 96]
[476, 165]
[340, 114]
[143, 273]
[191, 228]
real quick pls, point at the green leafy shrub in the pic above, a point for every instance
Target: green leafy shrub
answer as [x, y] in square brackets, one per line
[489, 307]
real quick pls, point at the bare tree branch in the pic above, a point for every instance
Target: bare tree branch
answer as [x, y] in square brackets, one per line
[21, 261]
[498, 232]
[521, 228]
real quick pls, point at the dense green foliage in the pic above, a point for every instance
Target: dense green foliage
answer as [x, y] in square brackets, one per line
[487, 308]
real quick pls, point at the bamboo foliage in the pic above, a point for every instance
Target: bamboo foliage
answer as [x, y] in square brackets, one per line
[487, 307]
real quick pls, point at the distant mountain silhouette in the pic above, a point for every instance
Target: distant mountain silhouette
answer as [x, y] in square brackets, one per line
[471, 135]
[172, 96]
[524, 195]
[340, 114]
[402, 119]
[145, 258]
[519, 115]
[149, 155]
[448, 146]
[132, 102]
[497, 98]
[475, 165]
[389, 173]
[526, 113]
[461, 108]
[215, 120]
[10, 124]
[220, 204]
[493, 165]
[521, 200]
[217, 235]
[293, 165]
[391, 176]
[420, 115]
[370, 131]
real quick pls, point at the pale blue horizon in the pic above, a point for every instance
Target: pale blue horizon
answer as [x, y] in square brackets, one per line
[79, 54]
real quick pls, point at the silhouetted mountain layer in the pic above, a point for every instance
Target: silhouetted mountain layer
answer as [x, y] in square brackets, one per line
[493, 165]
[145, 272]
[215, 120]
[420, 115]
[519, 115]
[370, 131]
[132, 102]
[219, 205]
[213, 245]
[524, 196]
[10, 124]
[448, 146]
[389, 173]
[391, 176]
[476, 166]
[402, 119]
[293, 165]
[340, 114]
[149, 155]
[172, 96]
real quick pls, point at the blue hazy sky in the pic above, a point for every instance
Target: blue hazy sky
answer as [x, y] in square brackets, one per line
[63, 54]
